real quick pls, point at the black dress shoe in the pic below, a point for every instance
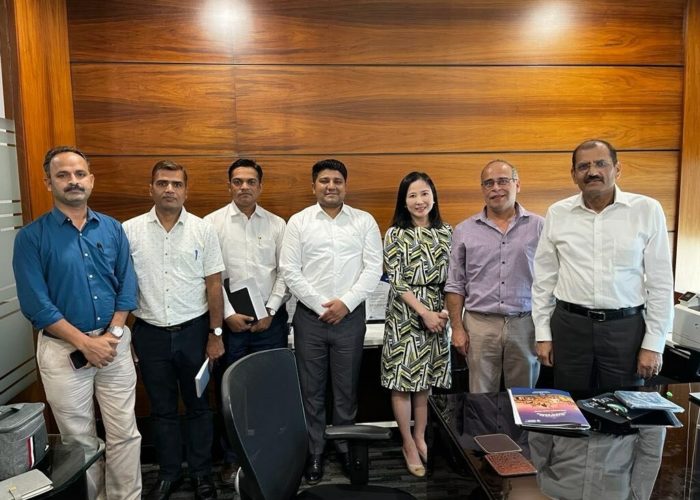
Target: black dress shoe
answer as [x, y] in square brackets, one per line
[163, 489]
[228, 473]
[314, 469]
[204, 488]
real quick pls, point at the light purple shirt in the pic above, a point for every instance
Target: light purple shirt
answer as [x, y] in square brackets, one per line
[493, 270]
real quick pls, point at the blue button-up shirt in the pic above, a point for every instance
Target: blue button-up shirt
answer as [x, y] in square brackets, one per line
[80, 276]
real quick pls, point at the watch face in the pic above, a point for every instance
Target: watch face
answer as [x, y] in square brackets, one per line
[116, 331]
[217, 331]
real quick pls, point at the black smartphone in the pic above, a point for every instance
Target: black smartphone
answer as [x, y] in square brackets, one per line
[77, 359]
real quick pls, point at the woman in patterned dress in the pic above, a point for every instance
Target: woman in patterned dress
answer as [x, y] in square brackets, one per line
[416, 352]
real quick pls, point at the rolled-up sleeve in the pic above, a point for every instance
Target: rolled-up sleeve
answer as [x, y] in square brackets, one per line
[457, 271]
[126, 299]
[32, 290]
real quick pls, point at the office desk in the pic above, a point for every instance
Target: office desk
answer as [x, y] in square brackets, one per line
[662, 463]
[65, 464]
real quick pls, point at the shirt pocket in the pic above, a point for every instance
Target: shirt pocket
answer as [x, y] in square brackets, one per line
[189, 263]
[267, 252]
[627, 253]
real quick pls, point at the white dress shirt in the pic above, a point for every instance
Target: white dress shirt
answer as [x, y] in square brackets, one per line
[171, 266]
[617, 258]
[251, 249]
[325, 258]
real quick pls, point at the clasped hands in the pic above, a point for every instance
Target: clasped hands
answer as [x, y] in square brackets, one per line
[434, 321]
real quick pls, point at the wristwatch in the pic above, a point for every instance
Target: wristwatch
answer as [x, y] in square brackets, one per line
[116, 331]
[216, 331]
[271, 312]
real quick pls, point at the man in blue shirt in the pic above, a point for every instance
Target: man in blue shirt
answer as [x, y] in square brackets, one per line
[76, 284]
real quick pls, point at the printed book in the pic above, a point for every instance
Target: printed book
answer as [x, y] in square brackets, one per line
[543, 409]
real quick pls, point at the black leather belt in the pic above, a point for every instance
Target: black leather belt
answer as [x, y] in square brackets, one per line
[174, 328]
[601, 314]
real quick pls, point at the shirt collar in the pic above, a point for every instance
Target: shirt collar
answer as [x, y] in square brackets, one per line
[319, 210]
[234, 211]
[519, 213]
[152, 217]
[621, 198]
[62, 218]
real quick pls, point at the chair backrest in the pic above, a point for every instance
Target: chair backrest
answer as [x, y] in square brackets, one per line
[264, 415]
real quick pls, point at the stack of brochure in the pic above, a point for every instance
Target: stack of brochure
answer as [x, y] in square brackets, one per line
[546, 410]
[623, 411]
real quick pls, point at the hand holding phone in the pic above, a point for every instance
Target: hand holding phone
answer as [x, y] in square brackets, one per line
[77, 359]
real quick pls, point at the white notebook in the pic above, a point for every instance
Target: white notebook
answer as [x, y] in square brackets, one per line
[28, 485]
[202, 378]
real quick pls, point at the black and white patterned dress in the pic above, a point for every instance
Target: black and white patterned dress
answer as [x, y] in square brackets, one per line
[415, 259]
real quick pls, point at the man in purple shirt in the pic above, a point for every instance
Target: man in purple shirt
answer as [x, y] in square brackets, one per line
[488, 285]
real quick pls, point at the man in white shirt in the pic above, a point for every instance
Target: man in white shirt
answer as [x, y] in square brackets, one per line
[331, 261]
[603, 286]
[251, 241]
[178, 265]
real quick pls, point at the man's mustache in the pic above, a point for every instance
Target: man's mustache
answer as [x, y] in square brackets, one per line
[74, 187]
[593, 178]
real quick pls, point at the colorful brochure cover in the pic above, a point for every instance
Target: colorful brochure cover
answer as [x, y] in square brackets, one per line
[546, 409]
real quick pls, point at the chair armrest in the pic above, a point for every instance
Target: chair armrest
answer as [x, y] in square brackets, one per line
[357, 432]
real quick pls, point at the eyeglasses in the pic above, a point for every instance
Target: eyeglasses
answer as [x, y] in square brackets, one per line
[586, 166]
[501, 181]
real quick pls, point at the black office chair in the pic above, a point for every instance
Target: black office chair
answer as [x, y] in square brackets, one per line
[266, 425]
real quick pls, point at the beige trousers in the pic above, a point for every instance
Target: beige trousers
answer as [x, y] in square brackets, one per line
[70, 395]
[501, 344]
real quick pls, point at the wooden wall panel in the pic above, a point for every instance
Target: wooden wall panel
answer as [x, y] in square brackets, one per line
[388, 86]
[43, 105]
[379, 32]
[373, 181]
[688, 243]
[162, 30]
[154, 109]
[455, 109]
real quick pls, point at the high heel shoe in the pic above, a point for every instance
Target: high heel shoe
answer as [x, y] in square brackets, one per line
[423, 454]
[416, 470]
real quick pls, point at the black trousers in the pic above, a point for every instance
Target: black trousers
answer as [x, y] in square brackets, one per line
[169, 361]
[317, 346]
[592, 354]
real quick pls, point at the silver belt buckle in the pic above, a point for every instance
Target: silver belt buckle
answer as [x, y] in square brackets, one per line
[596, 315]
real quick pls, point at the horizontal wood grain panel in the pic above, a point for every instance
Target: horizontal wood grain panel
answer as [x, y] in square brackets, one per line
[308, 109]
[373, 181]
[149, 109]
[152, 31]
[379, 32]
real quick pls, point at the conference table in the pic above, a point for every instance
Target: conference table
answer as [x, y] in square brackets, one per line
[656, 462]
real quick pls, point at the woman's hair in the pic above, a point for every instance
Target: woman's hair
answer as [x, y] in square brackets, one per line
[402, 217]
